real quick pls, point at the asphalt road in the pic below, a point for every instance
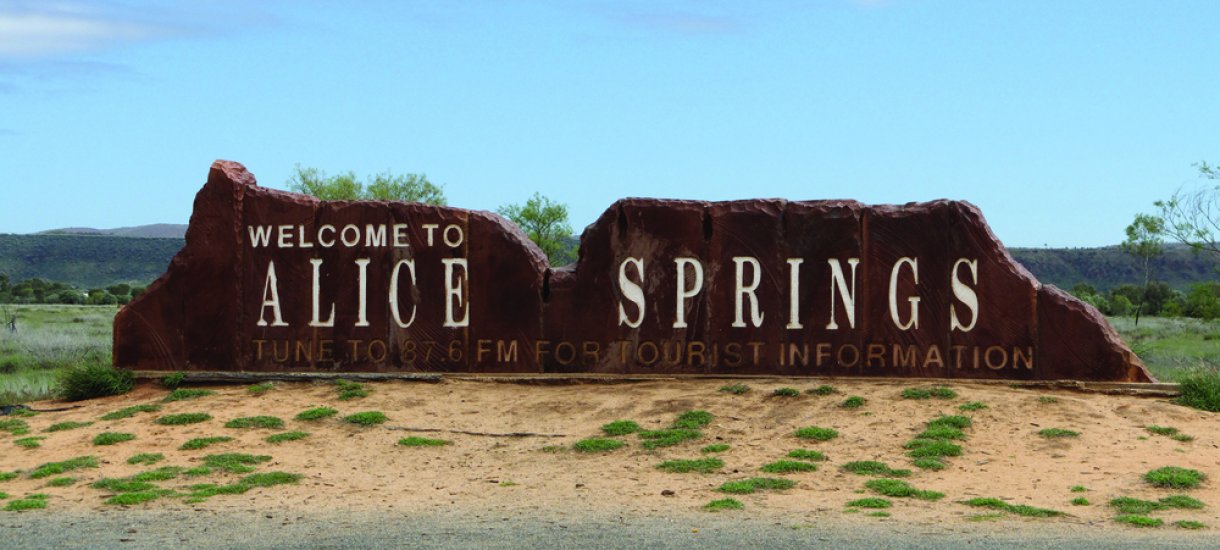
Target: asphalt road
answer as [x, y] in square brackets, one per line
[139, 529]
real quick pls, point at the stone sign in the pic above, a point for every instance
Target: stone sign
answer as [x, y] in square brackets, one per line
[274, 281]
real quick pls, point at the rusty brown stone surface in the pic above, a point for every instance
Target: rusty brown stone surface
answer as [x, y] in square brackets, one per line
[826, 288]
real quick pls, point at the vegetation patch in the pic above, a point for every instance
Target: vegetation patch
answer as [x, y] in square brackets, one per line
[1079, 489]
[110, 438]
[55, 468]
[805, 454]
[1169, 432]
[262, 422]
[268, 479]
[366, 418]
[1188, 524]
[260, 388]
[938, 392]
[900, 489]
[972, 406]
[9, 476]
[183, 394]
[929, 463]
[1018, 509]
[163, 473]
[128, 412]
[597, 445]
[316, 413]
[1184, 502]
[349, 390]
[204, 491]
[62, 482]
[935, 448]
[1139, 521]
[750, 485]
[115, 485]
[874, 468]
[871, 502]
[955, 421]
[146, 458]
[139, 497]
[429, 442]
[27, 503]
[822, 390]
[785, 392]
[63, 426]
[693, 420]
[620, 427]
[1175, 477]
[286, 436]
[654, 439]
[236, 463]
[14, 426]
[715, 448]
[94, 379]
[724, 504]
[853, 402]
[701, 465]
[1200, 390]
[30, 442]
[1053, 433]
[1080, 501]
[942, 432]
[788, 467]
[817, 433]
[735, 389]
[173, 380]
[183, 418]
[201, 442]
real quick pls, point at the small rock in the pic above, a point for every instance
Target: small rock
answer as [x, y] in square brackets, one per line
[667, 493]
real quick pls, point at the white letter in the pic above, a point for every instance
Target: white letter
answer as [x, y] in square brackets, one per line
[400, 235]
[317, 297]
[453, 243]
[355, 240]
[631, 291]
[684, 293]
[966, 295]
[429, 227]
[453, 292]
[322, 238]
[756, 316]
[259, 236]
[301, 242]
[271, 297]
[285, 236]
[914, 300]
[394, 292]
[362, 278]
[837, 280]
[794, 293]
[374, 235]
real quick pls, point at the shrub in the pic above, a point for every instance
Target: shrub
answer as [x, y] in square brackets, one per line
[874, 468]
[853, 402]
[788, 466]
[821, 390]
[724, 504]
[1175, 477]
[667, 438]
[366, 418]
[735, 389]
[817, 433]
[750, 485]
[316, 413]
[597, 445]
[1200, 390]
[264, 422]
[701, 465]
[110, 438]
[425, 442]
[621, 427]
[693, 420]
[785, 392]
[183, 418]
[182, 394]
[92, 379]
[172, 381]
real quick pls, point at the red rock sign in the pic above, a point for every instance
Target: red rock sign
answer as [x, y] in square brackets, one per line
[273, 281]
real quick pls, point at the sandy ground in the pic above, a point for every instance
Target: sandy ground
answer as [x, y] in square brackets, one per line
[356, 470]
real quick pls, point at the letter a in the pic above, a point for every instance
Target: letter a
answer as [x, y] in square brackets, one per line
[271, 298]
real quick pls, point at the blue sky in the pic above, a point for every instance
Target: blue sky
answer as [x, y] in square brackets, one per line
[1060, 119]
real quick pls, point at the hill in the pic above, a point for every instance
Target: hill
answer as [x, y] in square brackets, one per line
[154, 231]
[1108, 266]
[86, 261]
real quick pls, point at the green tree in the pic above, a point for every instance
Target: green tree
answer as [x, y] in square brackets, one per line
[1144, 243]
[546, 223]
[1192, 216]
[384, 187]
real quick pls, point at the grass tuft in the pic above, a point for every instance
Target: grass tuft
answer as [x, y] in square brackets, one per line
[55, 468]
[736, 389]
[715, 448]
[804, 454]
[1079, 489]
[1053, 433]
[366, 418]
[110, 438]
[201, 442]
[261, 422]
[1018, 509]
[63, 426]
[654, 439]
[817, 433]
[183, 394]
[1175, 477]
[236, 463]
[422, 442]
[269, 479]
[1131, 505]
[701, 465]
[14, 426]
[597, 445]
[874, 468]
[316, 413]
[1080, 501]
[164, 473]
[693, 420]
[1188, 524]
[898, 488]
[853, 402]
[128, 412]
[122, 485]
[942, 432]
[286, 436]
[955, 421]
[62, 482]
[349, 390]
[131, 499]
[750, 485]
[785, 392]
[94, 379]
[1139, 521]
[724, 504]
[25, 504]
[183, 418]
[173, 380]
[929, 463]
[146, 458]
[788, 467]
[935, 448]
[260, 388]
[1200, 390]
[972, 406]
[33, 442]
[1184, 502]
[871, 502]
[620, 427]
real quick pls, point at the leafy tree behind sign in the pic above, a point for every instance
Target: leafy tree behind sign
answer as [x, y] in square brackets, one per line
[383, 187]
[1193, 216]
[1144, 243]
[546, 223]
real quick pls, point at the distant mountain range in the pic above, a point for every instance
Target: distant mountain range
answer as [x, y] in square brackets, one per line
[94, 258]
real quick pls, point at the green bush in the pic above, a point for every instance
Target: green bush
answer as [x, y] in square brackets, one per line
[366, 418]
[788, 466]
[173, 380]
[597, 445]
[316, 413]
[182, 394]
[817, 433]
[1200, 390]
[693, 420]
[736, 389]
[786, 392]
[724, 504]
[90, 380]
[1175, 477]
[621, 427]
[110, 438]
[853, 402]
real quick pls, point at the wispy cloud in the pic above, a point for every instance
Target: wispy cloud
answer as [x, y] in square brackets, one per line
[51, 29]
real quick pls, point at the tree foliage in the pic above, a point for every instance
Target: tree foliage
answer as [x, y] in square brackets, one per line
[1192, 216]
[1144, 243]
[546, 223]
[383, 187]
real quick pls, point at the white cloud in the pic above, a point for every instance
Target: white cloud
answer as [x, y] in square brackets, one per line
[57, 29]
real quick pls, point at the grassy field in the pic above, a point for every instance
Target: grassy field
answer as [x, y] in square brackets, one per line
[51, 337]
